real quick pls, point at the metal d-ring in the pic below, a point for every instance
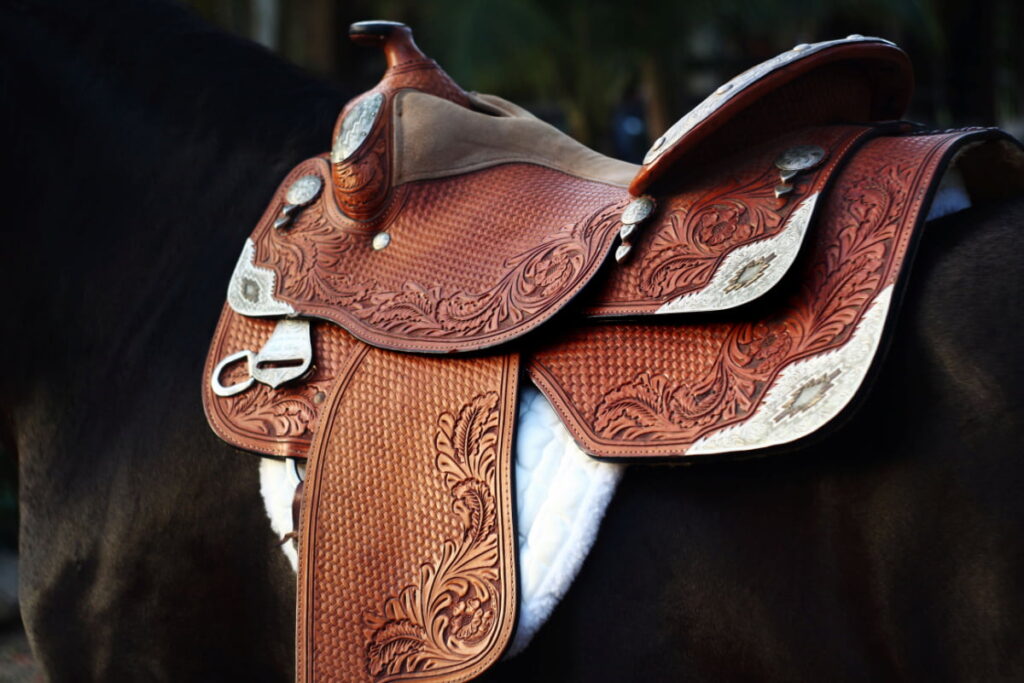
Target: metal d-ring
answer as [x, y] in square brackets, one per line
[238, 387]
[285, 356]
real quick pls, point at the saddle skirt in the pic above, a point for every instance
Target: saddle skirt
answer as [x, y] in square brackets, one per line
[729, 297]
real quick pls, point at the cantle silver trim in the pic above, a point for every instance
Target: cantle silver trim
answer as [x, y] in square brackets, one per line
[739, 83]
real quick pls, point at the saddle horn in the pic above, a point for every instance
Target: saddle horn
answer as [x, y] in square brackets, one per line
[407, 66]
[393, 37]
[361, 178]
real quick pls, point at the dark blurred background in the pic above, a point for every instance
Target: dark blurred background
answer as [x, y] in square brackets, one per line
[616, 74]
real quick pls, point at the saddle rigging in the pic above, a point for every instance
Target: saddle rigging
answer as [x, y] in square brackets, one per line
[728, 297]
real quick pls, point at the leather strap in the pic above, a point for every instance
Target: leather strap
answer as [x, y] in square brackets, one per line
[407, 563]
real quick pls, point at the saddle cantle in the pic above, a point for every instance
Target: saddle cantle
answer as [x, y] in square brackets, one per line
[728, 297]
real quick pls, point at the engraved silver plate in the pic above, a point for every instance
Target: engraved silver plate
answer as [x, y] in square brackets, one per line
[740, 83]
[285, 356]
[807, 393]
[750, 271]
[638, 210]
[251, 289]
[626, 230]
[303, 191]
[356, 127]
[800, 158]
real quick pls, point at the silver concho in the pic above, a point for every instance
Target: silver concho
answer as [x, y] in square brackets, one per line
[356, 127]
[635, 213]
[304, 190]
[638, 210]
[299, 194]
[381, 240]
[800, 158]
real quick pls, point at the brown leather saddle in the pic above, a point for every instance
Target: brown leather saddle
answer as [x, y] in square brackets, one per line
[729, 297]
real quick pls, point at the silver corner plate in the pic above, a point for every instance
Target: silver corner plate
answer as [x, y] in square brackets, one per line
[251, 289]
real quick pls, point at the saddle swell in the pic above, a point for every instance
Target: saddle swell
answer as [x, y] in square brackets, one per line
[729, 297]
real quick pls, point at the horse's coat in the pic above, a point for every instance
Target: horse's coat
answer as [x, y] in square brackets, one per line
[142, 141]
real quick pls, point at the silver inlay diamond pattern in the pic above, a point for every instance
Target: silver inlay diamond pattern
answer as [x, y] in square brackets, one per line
[251, 289]
[808, 393]
[751, 270]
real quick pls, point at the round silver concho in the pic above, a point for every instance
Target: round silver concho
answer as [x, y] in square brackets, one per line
[380, 240]
[800, 158]
[638, 210]
[304, 190]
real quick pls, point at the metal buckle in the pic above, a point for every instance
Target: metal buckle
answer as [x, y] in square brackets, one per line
[287, 355]
[239, 387]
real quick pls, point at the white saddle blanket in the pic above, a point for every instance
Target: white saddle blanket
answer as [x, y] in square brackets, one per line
[561, 496]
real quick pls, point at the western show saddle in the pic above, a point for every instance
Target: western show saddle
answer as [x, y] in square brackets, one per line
[728, 297]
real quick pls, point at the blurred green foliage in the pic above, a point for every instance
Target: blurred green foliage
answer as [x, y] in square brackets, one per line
[576, 60]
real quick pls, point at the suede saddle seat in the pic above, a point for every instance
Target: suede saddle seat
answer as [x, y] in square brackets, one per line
[728, 297]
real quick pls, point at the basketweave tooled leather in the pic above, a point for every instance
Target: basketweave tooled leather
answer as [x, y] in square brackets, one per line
[674, 257]
[507, 247]
[407, 555]
[474, 260]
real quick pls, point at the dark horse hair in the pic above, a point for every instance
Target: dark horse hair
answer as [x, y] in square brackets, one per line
[140, 147]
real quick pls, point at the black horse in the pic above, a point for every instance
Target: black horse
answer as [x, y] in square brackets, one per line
[140, 148]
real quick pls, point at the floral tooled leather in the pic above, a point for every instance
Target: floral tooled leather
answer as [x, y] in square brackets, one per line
[362, 180]
[271, 421]
[362, 183]
[451, 610]
[643, 390]
[711, 212]
[407, 566]
[474, 260]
